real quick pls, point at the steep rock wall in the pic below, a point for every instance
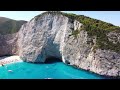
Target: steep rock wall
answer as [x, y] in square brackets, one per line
[55, 35]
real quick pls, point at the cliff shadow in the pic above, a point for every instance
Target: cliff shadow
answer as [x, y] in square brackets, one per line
[50, 60]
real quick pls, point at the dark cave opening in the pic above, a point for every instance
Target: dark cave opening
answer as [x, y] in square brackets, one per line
[52, 60]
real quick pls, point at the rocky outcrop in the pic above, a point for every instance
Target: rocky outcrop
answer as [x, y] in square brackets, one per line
[55, 35]
[43, 38]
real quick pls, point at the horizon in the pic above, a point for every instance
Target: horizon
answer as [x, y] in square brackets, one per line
[106, 16]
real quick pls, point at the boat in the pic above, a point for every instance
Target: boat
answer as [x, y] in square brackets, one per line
[10, 71]
[48, 78]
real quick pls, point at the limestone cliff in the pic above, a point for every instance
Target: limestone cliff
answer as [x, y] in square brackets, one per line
[67, 38]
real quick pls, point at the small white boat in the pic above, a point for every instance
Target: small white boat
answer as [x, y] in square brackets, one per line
[10, 71]
[48, 78]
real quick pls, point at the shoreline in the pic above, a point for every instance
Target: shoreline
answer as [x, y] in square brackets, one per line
[15, 59]
[9, 60]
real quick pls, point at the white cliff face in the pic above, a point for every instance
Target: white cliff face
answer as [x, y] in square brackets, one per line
[51, 36]
[43, 38]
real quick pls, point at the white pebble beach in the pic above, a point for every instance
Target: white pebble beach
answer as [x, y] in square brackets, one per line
[9, 60]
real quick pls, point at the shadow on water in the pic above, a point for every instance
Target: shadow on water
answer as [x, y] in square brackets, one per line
[51, 60]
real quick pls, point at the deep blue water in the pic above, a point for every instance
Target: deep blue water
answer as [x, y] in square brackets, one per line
[56, 70]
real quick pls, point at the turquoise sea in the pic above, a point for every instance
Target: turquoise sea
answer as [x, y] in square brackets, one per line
[55, 70]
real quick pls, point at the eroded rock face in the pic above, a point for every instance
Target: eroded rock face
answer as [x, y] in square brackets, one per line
[43, 38]
[52, 36]
[8, 44]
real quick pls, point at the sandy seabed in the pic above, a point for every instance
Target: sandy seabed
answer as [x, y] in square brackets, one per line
[9, 59]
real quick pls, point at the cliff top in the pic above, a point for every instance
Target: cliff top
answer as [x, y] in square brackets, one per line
[90, 23]
[8, 26]
[94, 27]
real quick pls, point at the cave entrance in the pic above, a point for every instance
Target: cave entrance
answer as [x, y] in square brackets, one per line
[52, 60]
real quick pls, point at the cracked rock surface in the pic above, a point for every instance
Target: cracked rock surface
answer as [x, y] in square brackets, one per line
[50, 36]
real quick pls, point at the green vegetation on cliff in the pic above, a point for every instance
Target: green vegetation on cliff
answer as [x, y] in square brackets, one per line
[99, 29]
[94, 27]
[9, 26]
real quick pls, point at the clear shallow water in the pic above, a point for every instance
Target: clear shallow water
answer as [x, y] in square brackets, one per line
[57, 70]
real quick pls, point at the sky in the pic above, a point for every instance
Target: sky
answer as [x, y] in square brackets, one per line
[107, 16]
